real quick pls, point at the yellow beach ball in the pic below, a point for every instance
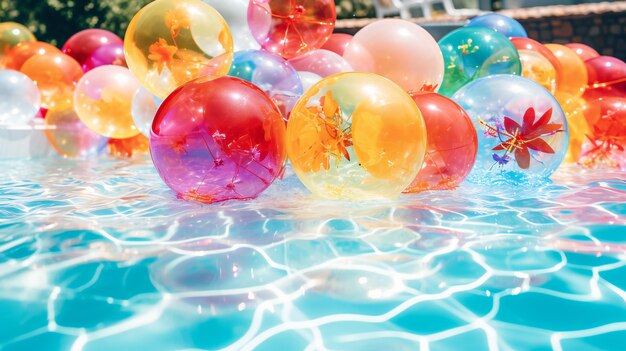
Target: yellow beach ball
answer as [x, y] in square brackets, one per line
[171, 42]
[356, 136]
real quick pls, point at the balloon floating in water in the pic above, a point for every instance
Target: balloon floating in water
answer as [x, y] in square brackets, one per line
[171, 42]
[291, 28]
[608, 137]
[111, 54]
[136, 146]
[235, 12]
[19, 98]
[538, 68]
[17, 56]
[522, 130]
[504, 25]
[573, 77]
[583, 51]
[529, 44]
[337, 43]
[70, 137]
[571, 85]
[12, 34]
[308, 79]
[143, 109]
[216, 140]
[272, 74]
[606, 77]
[56, 76]
[356, 136]
[399, 50]
[452, 144]
[103, 100]
[82, 45]
[474, 52]
[574, 107]
[321, 62]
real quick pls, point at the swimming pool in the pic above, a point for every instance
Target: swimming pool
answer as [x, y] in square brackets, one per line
[100, 255]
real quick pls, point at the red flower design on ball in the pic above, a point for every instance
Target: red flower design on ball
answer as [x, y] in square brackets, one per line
[519, 140]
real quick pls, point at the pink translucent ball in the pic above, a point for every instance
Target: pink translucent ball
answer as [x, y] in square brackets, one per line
[291, 28]
[337, 43]
[324, 63]
[84, 43]
[215, 140]
[399, 50]
[111, 54]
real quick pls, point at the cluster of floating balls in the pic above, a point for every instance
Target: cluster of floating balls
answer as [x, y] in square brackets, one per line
[222, 94]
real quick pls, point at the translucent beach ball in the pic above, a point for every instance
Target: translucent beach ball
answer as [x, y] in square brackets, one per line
[606, 142]
[538, 68]
[574, 108]
[22, 52]
[452, 144]
[291, 28]
[111, 54]
[573, 77]
[12, 34]
[70, 137]
[19, 98]
[136, 146]
[235, 12]
[82, 45]
[399, 50]
[56, 76]
[220, 139]
[171, 42]
[583, 51]
[308, 79]
[103, 101]
[321, 62]
[522, 130]
[526, 44]
[606, 77]
[502, 24]
[272, 74]
[337, 43]
[143, 109]
[356, 136]
[470, 53]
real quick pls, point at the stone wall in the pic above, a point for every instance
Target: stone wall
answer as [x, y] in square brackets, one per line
[599, 25]
[605, 32]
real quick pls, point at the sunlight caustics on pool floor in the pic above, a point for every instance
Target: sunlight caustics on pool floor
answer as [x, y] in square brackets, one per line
[100, 255]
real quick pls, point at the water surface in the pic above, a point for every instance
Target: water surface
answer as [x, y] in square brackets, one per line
[100, 255]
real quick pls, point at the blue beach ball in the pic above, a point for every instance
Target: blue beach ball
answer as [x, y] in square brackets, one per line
[522, 130]
[502, 24]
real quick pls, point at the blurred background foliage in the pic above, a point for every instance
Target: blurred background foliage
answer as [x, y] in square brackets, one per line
[355, 8]
[54, 21]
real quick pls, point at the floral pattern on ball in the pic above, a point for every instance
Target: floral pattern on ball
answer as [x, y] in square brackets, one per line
[356, 136]
[606, 140]
[517, 141]
[216, 140]
[291, 28]
[326, 120]
[171, 42]
[523, 134]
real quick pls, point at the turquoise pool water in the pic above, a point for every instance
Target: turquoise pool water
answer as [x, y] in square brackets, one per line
[99, 255]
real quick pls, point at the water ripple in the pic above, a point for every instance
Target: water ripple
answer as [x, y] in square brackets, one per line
[101, 255]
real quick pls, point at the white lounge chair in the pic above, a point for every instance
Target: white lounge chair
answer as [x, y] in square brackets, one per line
[403, 8]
